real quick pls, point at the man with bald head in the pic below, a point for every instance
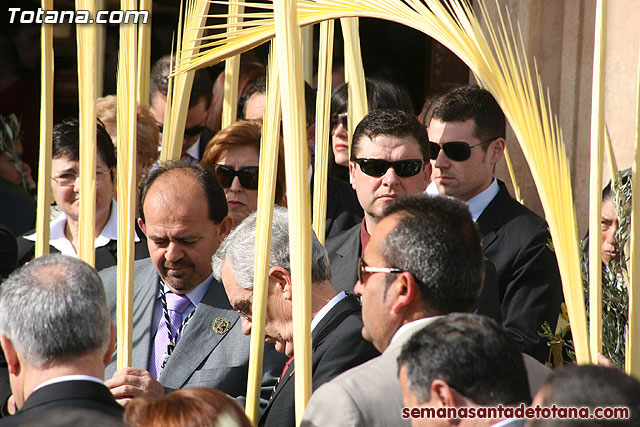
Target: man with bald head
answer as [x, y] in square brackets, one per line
[185, 333]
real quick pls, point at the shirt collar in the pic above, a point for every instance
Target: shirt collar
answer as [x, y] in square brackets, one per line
[58, 240]
[364, 237]
[327, 307]
[194, 150]
[196, 294]
[65, 378]
[415, 324]
[479, 202]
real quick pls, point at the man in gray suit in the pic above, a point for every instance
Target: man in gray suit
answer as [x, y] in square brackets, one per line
[185, 332]
[424, 259]
[462, 362]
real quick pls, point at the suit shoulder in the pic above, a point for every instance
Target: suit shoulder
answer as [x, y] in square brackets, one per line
[516, 215]
[26, 248]
[334, 243]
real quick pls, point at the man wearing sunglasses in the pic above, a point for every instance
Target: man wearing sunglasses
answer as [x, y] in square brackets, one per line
[424, 260]
[467, 132]
[196, 134]
[389, 159]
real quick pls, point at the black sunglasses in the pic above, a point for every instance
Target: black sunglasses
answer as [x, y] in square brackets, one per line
[378, 167]
[188, 132]
[458, 151]
[248, 176]
[339, 118]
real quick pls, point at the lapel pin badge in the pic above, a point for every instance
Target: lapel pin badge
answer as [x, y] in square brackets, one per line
[220, 325]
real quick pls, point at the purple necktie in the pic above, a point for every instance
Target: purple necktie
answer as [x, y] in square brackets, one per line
[176, 305]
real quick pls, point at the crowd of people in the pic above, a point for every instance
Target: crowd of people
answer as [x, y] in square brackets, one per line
[430, 291]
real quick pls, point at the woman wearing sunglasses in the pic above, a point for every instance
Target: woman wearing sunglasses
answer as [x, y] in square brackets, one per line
[235, 154]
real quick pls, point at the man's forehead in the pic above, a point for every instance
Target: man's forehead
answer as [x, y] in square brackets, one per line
[400, 147]
[235, 292]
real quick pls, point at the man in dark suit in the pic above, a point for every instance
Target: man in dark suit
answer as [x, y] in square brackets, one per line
[196, 133]
[185, 333]
[389, 159]
[56, 334]
[343, 209]
[462, 361]
[337, 343]
[467, 134]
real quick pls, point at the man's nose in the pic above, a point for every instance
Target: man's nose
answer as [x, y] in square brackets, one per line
[442, 160]
[174, 252]
[358, 288]
[246, 325]
[390, 178]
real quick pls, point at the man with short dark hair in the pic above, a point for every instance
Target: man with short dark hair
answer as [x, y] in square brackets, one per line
[424, 260]
[56, 334]
[337, 344]
[589, 386]
[196, 133]
[389, 159]
[460, 361]
[467, 139]
[185, 332]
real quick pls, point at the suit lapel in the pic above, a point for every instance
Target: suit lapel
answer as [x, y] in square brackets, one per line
[348, 305]
[199, 338]
[350, 249]
[337, 314]
[145, 291]
[493, 216]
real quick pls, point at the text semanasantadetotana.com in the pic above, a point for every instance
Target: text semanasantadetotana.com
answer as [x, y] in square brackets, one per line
[522, 411]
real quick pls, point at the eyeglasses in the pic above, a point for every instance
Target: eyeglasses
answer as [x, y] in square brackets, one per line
[378, 167]
[188, 132]
[341, 118]
[248, 176]
[458, 151]
[244, 309]
[363, 269]
[68, 179]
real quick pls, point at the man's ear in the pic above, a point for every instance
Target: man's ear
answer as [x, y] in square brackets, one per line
[496, 150]
[112, 344]
[224, 228]
[11, 355]
[442, 394]
[142, 226]
[352, 173]
[281, 279]
[403, 290]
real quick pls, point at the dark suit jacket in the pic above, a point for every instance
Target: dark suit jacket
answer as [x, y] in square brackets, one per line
[203, 357]
[337, 345]
[343, 208]
[17, 208]
[344, 250]
[205, 137]
[106, 256]
[87, 395]
[515, 239]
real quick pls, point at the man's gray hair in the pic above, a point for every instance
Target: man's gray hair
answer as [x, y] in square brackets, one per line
[239, 249]
[54, 309]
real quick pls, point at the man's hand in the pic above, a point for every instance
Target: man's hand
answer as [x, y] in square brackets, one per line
[129, 383]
